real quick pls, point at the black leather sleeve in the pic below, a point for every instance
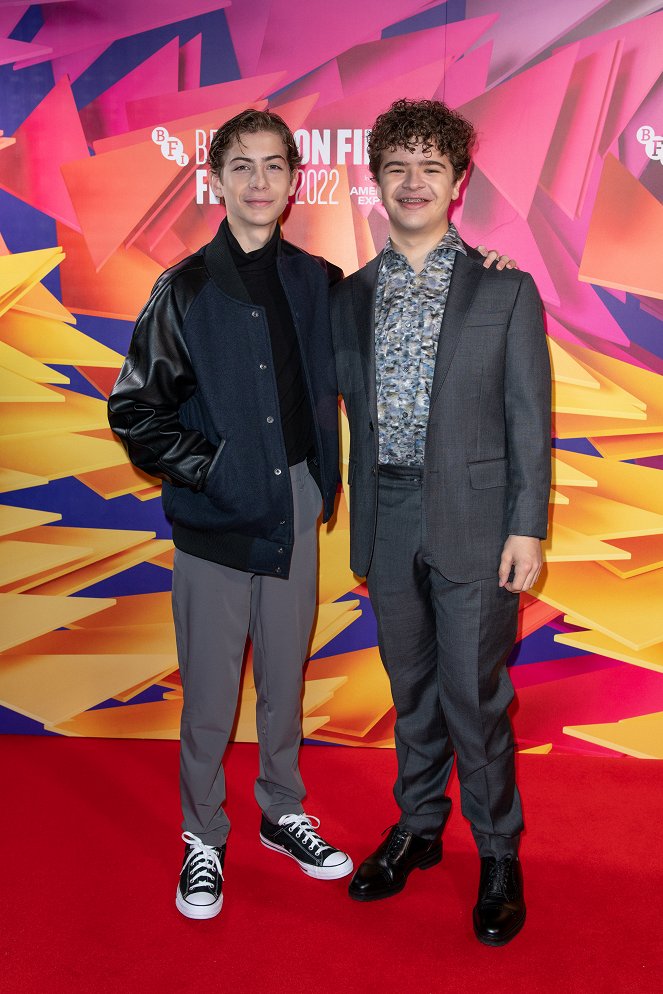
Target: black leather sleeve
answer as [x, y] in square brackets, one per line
[156, 379]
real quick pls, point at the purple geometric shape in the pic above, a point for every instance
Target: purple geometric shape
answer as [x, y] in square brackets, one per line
[189, 63]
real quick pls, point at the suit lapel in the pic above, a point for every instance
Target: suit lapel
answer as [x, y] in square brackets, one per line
[464, 283]
[363, 301]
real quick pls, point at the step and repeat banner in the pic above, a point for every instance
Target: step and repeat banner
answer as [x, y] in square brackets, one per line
[106, 115]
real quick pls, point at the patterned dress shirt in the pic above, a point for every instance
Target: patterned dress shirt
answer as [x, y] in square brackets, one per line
[409, 308]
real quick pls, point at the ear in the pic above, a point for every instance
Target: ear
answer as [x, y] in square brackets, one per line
[216, 185]
[455, 190]
[294, 176]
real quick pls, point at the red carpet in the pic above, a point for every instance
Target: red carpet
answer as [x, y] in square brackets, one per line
[91, 854]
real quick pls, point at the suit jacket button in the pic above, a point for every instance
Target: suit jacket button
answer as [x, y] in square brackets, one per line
[372, 470]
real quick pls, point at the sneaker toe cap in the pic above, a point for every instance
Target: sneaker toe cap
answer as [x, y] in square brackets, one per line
[336, 858]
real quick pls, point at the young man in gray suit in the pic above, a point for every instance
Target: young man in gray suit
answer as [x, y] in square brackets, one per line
[444, 370]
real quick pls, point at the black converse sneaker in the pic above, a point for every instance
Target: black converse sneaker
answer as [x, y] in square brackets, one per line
[199, 890]
[295, 836]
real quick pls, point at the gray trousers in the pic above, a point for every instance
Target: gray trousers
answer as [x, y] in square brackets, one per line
[444, 646]
[214, 608]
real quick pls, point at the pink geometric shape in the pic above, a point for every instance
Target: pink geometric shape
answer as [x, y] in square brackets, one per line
[190, 62]
[325, 82]
[295, 112]
[81, 24]
[155, 109]
[516, 121]
[49, 136]
[488, 219]
[20, 51]
[74, 64]
[107, 115]
[631, 151]
[525, 29]
[247, 25]
[574, 144]
[372, 63]
[360, 110]
[581, 309]
[639, 70]
[466, 79]
[325, 30]
[10, 16]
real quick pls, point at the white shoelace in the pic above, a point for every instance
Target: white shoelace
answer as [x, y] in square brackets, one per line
[203, 859]
[303, 827]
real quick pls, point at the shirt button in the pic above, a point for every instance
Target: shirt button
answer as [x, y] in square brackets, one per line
[372, 470]
[255, 314]
[277, 472]
[270, 420]
[263, 366]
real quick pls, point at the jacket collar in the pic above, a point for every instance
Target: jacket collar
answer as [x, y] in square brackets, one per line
[221, 266]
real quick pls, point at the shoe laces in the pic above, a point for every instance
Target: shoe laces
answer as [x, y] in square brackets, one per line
[396, 840]
[204, 861]
[303, 827]
[498, 878]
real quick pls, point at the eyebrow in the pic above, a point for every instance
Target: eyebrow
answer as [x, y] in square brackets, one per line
[265, 158]
[424, 160]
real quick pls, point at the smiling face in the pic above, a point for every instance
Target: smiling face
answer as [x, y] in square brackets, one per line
[417, 188]
[255, 182]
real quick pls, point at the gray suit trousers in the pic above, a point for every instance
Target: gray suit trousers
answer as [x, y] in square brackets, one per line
[444, 646]
[214, 609]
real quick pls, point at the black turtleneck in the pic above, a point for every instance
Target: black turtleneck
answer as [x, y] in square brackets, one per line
[258, 273]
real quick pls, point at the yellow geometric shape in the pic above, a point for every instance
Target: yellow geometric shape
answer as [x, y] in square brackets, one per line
[23, 365]
[79, 579]
[127, 695]
[555, 497]
[564, 474]
[565, 545]
[51, 689]
[25, 617]
[155, 639]
[629, 446]
[646, 555]
[40, 302]
[602, 518]
[335, 577]
[650, 658]
[566, 369]
[20, 272]
[19, 560]
[63, 455]
[365, 698]
[609, 401]
[641, 737]
[150, 493]
[542, 750]
[11, 479]
[117, 481]
[134, 609]
[17, 519]
[637, 486]
[50, 341]
[77, 412]
[15, 389]
[331, 620]
[626, 610]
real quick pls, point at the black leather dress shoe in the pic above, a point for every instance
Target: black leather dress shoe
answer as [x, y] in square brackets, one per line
[385, 872]
[500, 910]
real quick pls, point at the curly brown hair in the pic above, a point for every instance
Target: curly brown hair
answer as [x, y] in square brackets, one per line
[250, 122]
[427, 122]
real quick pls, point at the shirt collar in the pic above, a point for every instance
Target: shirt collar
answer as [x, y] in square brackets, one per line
[451, 242]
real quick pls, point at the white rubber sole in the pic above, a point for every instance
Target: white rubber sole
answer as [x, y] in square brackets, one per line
[319, 872]
[198, 911]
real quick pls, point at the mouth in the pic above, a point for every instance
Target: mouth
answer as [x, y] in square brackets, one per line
[412, 203]
[259, 203]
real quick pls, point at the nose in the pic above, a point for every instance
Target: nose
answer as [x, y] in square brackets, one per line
[259, 178]
[413, 180]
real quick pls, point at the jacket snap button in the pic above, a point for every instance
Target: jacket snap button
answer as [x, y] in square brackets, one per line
[282, 522]
[277, 472]
[255, 314]
[270, 420]
[278, 569]
[280, 552]
[263, 366]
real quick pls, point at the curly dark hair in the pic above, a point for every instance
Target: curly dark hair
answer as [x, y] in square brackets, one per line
[427, 122]
[251, 122]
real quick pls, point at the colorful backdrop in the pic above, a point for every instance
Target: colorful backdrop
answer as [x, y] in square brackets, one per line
[106, 112]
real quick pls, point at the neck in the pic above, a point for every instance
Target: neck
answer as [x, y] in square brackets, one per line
[252, 238]
[416, 246]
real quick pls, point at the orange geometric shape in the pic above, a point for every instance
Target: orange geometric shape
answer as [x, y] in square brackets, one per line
[623, 247]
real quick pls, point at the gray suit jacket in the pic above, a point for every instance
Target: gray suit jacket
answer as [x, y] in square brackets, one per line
[487, 459]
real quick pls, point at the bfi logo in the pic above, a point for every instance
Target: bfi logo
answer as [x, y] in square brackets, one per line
[653, 143]
[171, 146]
